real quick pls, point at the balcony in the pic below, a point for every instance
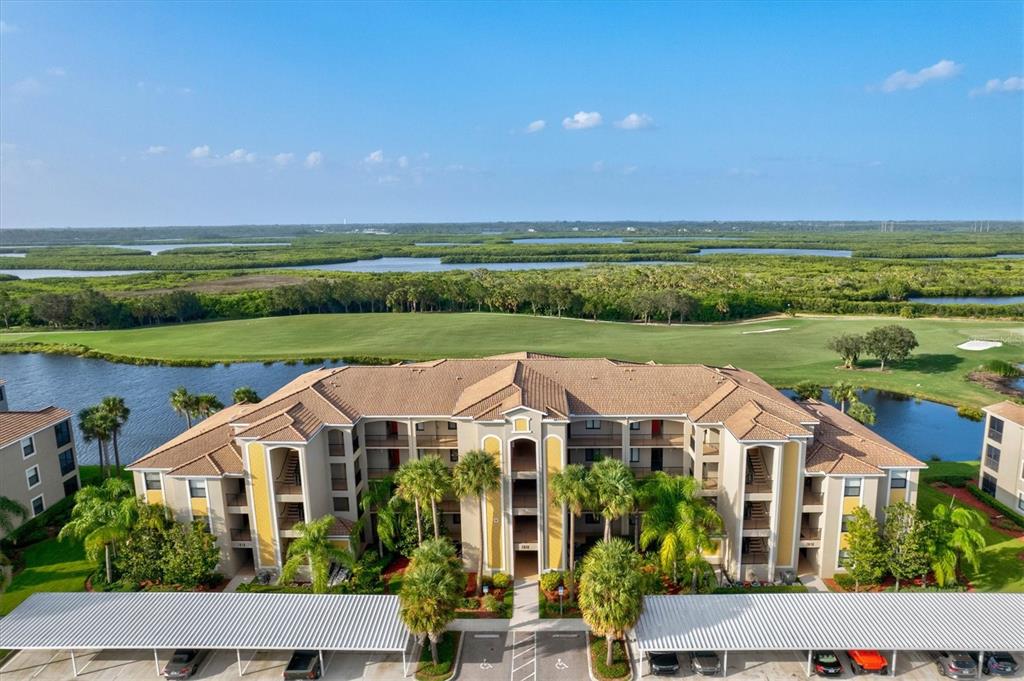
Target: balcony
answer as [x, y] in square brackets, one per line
[524, 535]
[709, 484]
[436, 441]
[810, 533]
[813, 498]
[386, 441]
[524, 503]
[339, 484]
[664, 440]
[709, 448]
[378, 473]
[450, 506]
[596, 441]
[335, 449]
[241, 534]
[755, 558]
[236, 503]
[642, 472]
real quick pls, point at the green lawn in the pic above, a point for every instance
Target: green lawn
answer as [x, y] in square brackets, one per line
[50, 566]
[1001, 567]
[936, 371]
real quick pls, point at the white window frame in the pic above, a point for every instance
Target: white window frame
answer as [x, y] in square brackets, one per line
[587, 426]
[1020, 501]
[517, 419]
[159, 481]
[420, 427]
[901, 475]
[28, 443]
[634, 425]
[860, 487]
[28, 476]
[202, 481]
[634, 455]
[32, 505]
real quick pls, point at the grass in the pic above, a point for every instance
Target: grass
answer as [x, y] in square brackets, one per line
[447, 648]
[1001, 567]
[620, 662]
[936, 371]
[51, 565]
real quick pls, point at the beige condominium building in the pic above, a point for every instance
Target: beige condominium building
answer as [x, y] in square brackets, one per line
[37, 456]
[1002, 454]
[782, 475]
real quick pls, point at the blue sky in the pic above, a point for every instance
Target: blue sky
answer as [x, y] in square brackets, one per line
[190, 113]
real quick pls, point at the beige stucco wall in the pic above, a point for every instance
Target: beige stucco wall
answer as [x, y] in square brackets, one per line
[13, 481]
[1010, 476]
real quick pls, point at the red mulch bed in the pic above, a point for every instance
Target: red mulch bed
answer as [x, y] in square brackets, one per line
[397, 566]
[889, 582]
[963, 495]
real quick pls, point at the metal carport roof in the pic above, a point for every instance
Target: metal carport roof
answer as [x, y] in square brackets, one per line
[246, 621]
[845, 621]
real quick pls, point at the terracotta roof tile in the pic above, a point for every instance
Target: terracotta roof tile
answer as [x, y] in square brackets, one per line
[1010, 411]
[843, 444]
[16, 425]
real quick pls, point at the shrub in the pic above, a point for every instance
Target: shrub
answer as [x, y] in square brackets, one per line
[447, 648]
[501, 580]
[550, 581]
[1012, 515]
[1002, 368]
[491, 604]
[469, 604]
[620, 663]
[970, 413]
[190, 555]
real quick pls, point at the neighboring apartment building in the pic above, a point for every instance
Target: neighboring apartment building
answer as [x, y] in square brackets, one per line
[782, 475]
[37, 455]
[1002, 454]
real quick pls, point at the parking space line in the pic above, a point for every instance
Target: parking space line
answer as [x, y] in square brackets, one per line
[529, 648]
[206, 663]
[44, 666]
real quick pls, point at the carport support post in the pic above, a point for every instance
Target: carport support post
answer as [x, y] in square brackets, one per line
[74, 665]
[892, 669]
[323, 670]
[809, 654]
[156, 662]
[238, 654]
[981, 663]
[725, 662]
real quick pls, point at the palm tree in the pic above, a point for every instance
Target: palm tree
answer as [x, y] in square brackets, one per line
[432, 589]
[96, 424]
[476, 474]
[953, 536]
[245, 394]
[611, 590]
[571, 488]
[103, 515]
[313, 548]
[117, 415]
[375, 501]
[183, 403]
[842, 393]
[407, 481]
[9, 510]
[681, 523]
[207, 404]
[435, 482]
[614, 489]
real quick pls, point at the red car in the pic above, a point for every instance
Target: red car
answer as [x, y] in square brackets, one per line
[868, 661]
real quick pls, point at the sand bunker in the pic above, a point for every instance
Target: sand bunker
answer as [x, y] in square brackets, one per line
[980, 345]
[765, 331]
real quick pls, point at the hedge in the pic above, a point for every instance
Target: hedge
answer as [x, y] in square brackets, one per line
[1017, 518]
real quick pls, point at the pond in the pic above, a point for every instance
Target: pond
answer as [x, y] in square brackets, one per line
[34, 381]
[160, 248]
[435, 265]
[42, 274]
[822, 252]
[570, 240]
[969, 300]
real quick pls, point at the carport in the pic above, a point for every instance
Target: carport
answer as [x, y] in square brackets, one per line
[831, 621]
[213, 621]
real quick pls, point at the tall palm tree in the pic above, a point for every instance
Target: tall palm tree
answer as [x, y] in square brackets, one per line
[183, 403]
[681, 523]
[245, 394]
[476, 474]
[117, 415]
[206, 404]
[103, 515]
[953, 536]
[9, 510]
[96, 424]
[614, 489]
[571, 488]
[435, 482]
[407, 488]
[843, 393]
[375, 501]
[432, 589]
[611, 590]
[313, 548]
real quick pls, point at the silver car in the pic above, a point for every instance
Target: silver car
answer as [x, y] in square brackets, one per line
[705, 663]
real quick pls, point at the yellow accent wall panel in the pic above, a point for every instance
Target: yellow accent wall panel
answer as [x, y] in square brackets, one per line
[492, 446]
[521, 425]
[787, 503]
[850, 504]
[154, 496]
[897, 495]
[556, 520]
[199, 506]
[262, 505]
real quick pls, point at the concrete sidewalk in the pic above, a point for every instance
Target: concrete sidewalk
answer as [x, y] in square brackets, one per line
[525, 616]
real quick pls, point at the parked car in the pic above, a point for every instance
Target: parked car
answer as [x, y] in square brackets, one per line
[867, 661]
[184, 663]
[305, 664]
[664, 664]
[705, 663]
[826, 663]
[956, 665]
[999, 664]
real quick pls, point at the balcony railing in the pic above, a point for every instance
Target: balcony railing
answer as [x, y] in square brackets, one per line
[813, 498]
[339, 484]
[449, 506]
[281, 487]
[663, 440]
[755, 558]
[424, 441]
[335, 449]
[386, 441]
[758, 487]
[596, 441]
[241, 534]
[756, 523]
[642, 472]
[524, 463]
[810, 533]
[378, 473]
[709, 448]
[524, 534]
[991, 463]
[238, 499]
[709, 483]
[524, 500]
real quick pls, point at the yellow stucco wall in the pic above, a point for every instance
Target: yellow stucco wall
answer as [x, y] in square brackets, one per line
[200, 507]
[262, 505]
[897, 495]
[787, 503]
[850, 504]
[521, 425]
[492, 445]
[556, 521]
[154, 496]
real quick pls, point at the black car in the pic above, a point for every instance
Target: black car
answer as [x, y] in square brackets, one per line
[305, 664]
[664, 664]
[705, 663]
[826, 663]
[184, 663]
[998, 663]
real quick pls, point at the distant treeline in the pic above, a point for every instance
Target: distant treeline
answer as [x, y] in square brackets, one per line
[701, 292]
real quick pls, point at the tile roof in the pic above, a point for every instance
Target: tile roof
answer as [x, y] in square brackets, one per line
[1011, 411]
[843, 446]
[200, 442]
[15, 425]
[751, 422]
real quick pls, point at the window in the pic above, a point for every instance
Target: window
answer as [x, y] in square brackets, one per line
[693, 443]
[63, 433]
[70, 486]
[988, 484]
[590, 455]
[456, 518]
[203, 518]
[898, 480]
[32, 476]
[634, 455]
[38, 506]
[453, 455]
[521, 425]
[452, 425]
[358, 474]
[634, 425]
[153, 481]
[420, 427]
[844, 557]
[851, 488]
[845, 527]
[28, 448]
[341, 504]
[593, 424]
[67, 461]
[197, 489]
[995, 429]
[992, 454]
[591, 519]
[1020, 501]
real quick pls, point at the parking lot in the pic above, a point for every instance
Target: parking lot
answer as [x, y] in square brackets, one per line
[220, 665]
[523, 656]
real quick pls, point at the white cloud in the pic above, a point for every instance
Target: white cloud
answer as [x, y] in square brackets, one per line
[7, 28]
[536, 126]
[582, 120]
[904, 80]
[28, 87]
[374, 157]
[635, 121]
[1011, 84]
[156, 150]
[56, 71]
[284, 158]
[597, 166]
[403, 162]
[629, 170]
[184, 91]
[199, 153]
[240, 156]
[314, 159]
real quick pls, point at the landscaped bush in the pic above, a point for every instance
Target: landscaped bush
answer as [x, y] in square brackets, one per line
[1012, 515]
[550, 581]
[447, 648]
[769, 588]
[501, 580]
[970, 413]
[620, 662]
[490, 603]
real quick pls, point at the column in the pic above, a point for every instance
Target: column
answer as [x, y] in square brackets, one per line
[773, 523]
